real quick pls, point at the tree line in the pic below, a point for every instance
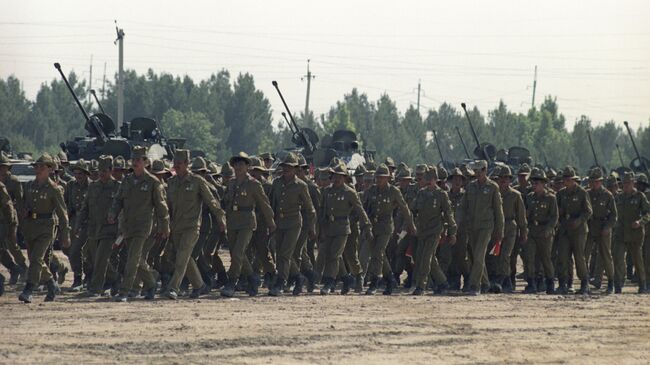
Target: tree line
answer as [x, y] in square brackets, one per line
[223, 115]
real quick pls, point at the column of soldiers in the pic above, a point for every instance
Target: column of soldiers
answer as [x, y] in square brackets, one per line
[141, 228]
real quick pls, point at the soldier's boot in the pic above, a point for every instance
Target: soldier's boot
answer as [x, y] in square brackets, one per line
[54, 270]
[242, 284]
[310, 275]
[454, 282]
[569, 284]
[335, 282]
[164, 281]
[150, 293]
[513, 281]
[618, 289]
[610, 286]
[289, 284]
[2, 285]
[26, 295]
[348, 282]
[397, 277]
[541, 285]
[408, 283]
[52, 290]
[495, 286]
[77, 284]
[584, 287]
[642, 288]
[441, 289]
[228, 290]
[222, 279]
[562, 287]
[254, 283]
[198, 292]
[15, 274]
[596, 283]
[418, 291]
[276, 289]
[550, 286]
[268, 280]
[531, 288]
[328, 285]
[358, 284]
[391, 284]
[372, 286]
[300, 283]
[507, 285]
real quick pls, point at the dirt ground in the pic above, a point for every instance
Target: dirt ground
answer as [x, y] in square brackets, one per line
[328, 330]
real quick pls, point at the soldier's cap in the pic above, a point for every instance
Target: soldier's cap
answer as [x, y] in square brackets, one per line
[214, 168]
[369, 176]
[267, 156]
[4, 160]
[290, 159]
[479, 165]
[642, 179]
[82, 166]
[57, 163]
[629, 177]
[382, 171]
[45, 159]
[389, 162]
[322, 173]
[611, 181]
[404, 174]
[119, 163]
[402, 166]
[302, 161]
[199, 165]
[551, 173]
[455, 172]
[139, 152]
[105, 163]
[469, 173]
[360, 170]
[558, 179]
[524, 169]
[371, 166]
[63, 157]
[257, 164]
[226, 170]
[93, 166]
[158, 168]
[505, 171]
[442, 174]
[596, 174]
[431, 174]
[421, 169]
[538, 174]
[569, 173]
[241, 156]
[182, 155]
[339, 169]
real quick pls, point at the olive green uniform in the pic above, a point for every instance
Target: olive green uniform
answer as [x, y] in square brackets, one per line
[542, 213]
[304, 258]
[138, 199]
[631, 207]
[8, 218]
[515, 225]
[75, 194]
[262, 260]
[459, 265]
[433, 213]
[15, 190]
[186, 196]
[574, 210]
[482, 211]
[603, 218]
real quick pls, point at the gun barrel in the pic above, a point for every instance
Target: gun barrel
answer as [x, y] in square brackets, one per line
[471, 126]
[97, 100]
[76, 99]
[306, 142]
[620, 156]
[462, 142]
[636, 150]
[435, 137]
[593, 151]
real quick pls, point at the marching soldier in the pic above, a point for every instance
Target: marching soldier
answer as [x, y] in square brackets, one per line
[8, 224]
[482, 211]
[289, 199]
[187, 193]
[75, 194]
[633, 214]
[574, 213]
[262, 260]
[379, 202]
[642, 186]
[140, 196]
[306, 243]
[458, 266]
[601, 224]
[10, 253]
[243, 194]
[43, 200]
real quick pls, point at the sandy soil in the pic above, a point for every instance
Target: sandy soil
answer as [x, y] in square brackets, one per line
[328, 330]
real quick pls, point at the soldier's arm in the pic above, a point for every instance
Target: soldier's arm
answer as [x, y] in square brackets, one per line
[499, 219]
[61, 212]
[67, 198]
[520, 216]
[587, 210]
[160, 207]
[118, 203]
[613, 213]
[7, 206]
[262, 201]
[82, 215]
[404, 209]
[448, 215]
[358, 208]
[645, 210]
[553, 218]
[209, 199]
[308, 207]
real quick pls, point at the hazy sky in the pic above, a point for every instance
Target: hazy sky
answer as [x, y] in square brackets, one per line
[593, 55]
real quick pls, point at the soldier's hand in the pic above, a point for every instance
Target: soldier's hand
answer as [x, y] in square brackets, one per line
[451, 239]
[413, 231]
[368, 233]
[636, 224]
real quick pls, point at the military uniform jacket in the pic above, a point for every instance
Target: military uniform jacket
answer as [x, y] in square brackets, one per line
[433, 211]
[289, 200]
[632, 207]
[380, 204]
[337, 206]
[409, 195]
[137, 199]
[7, 211]
[14, 188]
[75, 193]
[542, 213]
[186, 196]
[573, 205]
[604, 210]
[93, 215]
[482, 207]
[514, 212]
[266, 186]
[456, 199]
[41, 205]
[240, 201]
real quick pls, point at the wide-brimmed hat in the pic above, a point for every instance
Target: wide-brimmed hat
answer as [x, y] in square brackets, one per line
[570, 173]
[596, 174]
[63, 157]
[339, 169]
[119, 163]
[629, 177]
[360, 170]
[302, 161]
[455, 172]
[524, 169]
[182, 155]
[158, 168]
[290, 159]
[479, 165]
[538, 174]
[505, 171]
[642, 179]
[442, 173]
[382, 170]
[139, 152]
[45, 159]
[431, 174]
[105, 162]
[267, 156]
[82, 166]
[93, 166]
[241, 156]
[404, 174]
[226, 170]
[199, 165]
[389, 162]
[257, 164]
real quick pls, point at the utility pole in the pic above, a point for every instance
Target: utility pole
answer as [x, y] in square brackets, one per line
[534, 87]
[120, 76]
[104, 82]
[309, 77]
[419, 89]
[90, 78]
